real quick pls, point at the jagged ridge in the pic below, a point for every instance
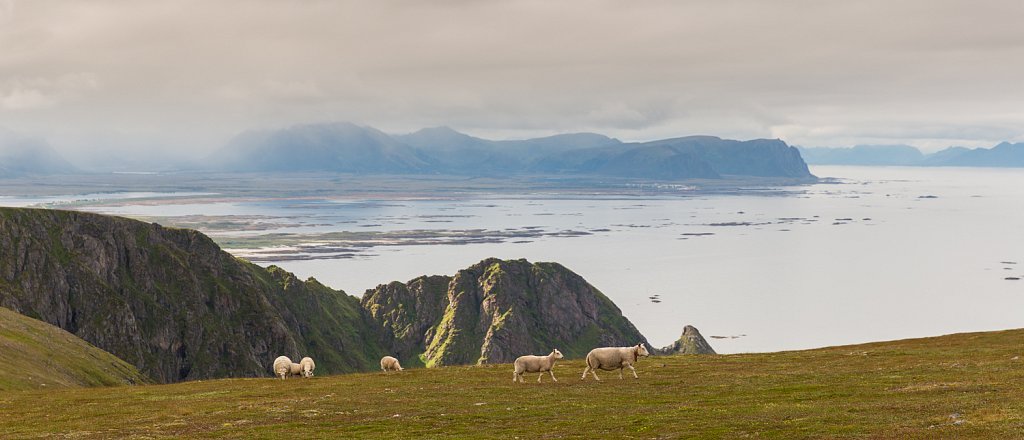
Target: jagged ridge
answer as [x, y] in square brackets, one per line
[170, 301]
[494, 311]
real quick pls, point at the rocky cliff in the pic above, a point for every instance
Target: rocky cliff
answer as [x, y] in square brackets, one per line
[170, 301]
[173, 304]
[494, 311]
[690, 342]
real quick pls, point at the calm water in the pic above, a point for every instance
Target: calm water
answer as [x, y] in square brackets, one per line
[887, 253]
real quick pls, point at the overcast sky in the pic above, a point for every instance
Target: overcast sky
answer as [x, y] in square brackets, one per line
[188, 75]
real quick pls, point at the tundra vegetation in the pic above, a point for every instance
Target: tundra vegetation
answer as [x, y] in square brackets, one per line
[957, 386]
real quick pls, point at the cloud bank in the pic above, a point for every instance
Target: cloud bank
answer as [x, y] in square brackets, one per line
[187, 75]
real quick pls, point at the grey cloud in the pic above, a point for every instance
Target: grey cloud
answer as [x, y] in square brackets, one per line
[189, 74]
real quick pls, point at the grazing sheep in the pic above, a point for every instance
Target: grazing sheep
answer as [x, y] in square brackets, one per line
[614, 358]
[295, 369]
[536, 364]
[388, 363]
[307, 366]
[282, 366]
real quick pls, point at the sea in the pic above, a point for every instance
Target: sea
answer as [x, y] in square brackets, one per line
[868, 254]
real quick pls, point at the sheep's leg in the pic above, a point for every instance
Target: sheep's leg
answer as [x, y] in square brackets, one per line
[585, 370]
[540, 376]
[553, 375]
[594, 372]
[620, 372]
[514, 376]
[634, 371]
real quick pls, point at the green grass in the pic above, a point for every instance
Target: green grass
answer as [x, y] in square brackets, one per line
[958, 386]
[34, 354]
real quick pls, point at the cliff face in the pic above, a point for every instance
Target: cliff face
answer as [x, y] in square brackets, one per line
[690, 342]
[169, 301]
[495, 311]
[177, 307]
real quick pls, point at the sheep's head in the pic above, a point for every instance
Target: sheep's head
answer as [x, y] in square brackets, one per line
[641, 350]
[557, 354]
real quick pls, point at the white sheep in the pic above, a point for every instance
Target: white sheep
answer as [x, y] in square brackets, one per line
[388, 363]
[306, 365]
[614, 358]
[535, 364]
[283, 366]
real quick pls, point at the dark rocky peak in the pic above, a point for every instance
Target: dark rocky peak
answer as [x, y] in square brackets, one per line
[690, 342]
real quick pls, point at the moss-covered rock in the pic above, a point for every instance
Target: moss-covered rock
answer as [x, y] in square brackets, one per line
[170, 301]
[690, 342]
[495, 311]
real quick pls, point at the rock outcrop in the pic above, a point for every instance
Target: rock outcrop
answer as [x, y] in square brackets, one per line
[177, 307]
[494, 311]
[170, 301]
[690, 342]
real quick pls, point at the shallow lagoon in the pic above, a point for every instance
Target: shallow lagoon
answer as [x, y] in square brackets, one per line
[884, 253]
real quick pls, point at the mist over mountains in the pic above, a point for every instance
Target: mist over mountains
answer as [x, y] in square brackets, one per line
[346, 147]
[1004, 155]
[29, 156]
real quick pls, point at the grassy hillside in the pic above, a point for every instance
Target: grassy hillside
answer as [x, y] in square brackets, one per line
[959, 386]
[170, 301]
[34, 354]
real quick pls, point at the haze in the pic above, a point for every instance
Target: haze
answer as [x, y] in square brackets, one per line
[186, 76]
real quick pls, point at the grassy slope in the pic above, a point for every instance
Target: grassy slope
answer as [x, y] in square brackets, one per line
[962, 386]
[35, 354]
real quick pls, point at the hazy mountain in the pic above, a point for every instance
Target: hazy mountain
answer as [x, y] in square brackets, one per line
[345, 147]
[102, 159]
[705, 157]
[1002, 155]
[863, 155]
[341, 147]
[947, 155]
[453, 152]
[26, 156]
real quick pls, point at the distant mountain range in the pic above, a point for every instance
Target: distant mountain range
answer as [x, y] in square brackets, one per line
[346, 147]
[1003, 155]
[27, 156]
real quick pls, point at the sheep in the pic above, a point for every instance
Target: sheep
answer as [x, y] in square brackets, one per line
[535, 364]
[283, 366]
[611, 358]
[388, 363]
[307, 366]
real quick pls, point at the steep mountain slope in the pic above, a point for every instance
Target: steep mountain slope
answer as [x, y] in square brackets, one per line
[35, 354]
[170, 301]
[341, 147]
[494, 311]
